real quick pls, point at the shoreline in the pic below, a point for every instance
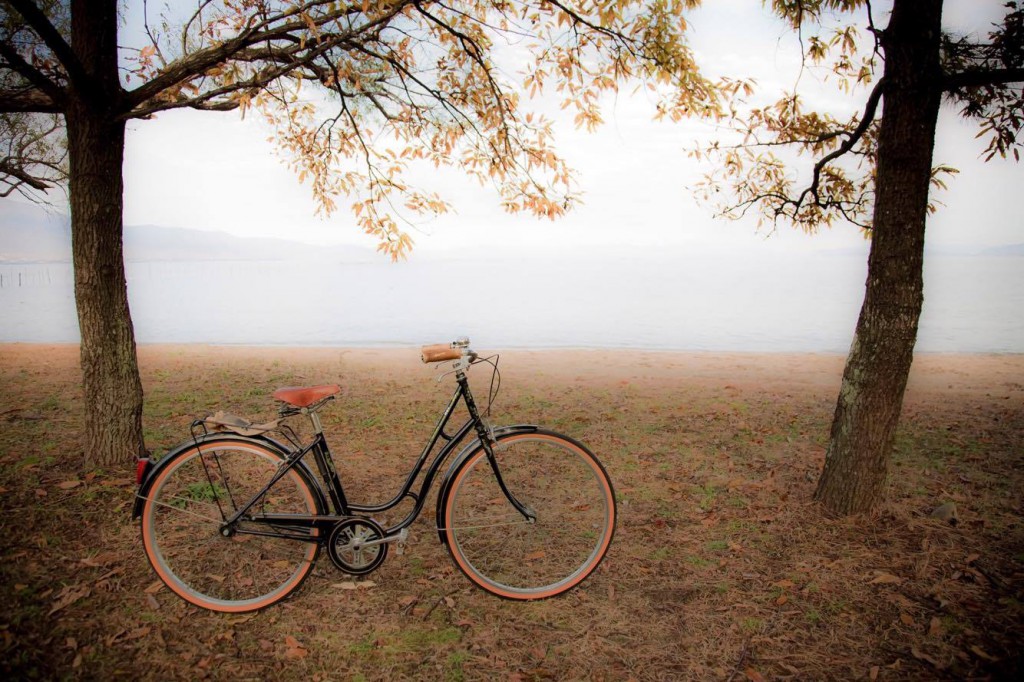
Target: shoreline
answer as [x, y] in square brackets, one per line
[649, 371]
[158, 345]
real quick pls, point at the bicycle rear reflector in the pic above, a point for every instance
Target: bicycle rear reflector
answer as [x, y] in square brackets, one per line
[141, 469]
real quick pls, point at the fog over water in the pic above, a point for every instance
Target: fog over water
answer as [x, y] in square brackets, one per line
[773, 302]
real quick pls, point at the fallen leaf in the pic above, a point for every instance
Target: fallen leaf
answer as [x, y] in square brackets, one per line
[935, 627]
[100, 559]
[140, 633]
[68, 596]
[753, 675]
[449, 602]
[351, 585]
[972, 558]
[533, 556]
[906, 619]
[981, 653]
[295, 654]
[117, 636]
[110, 574]
[873, 673]
[921, 656]
[153, 603]
[68, 485]
[883, 578]
[155, 587]
[295, 648]
[781, 600]
[784, 584]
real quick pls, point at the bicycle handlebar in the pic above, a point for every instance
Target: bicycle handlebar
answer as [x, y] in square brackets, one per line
[440, 352]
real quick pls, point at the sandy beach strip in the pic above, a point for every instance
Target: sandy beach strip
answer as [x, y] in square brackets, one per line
[1001, 374]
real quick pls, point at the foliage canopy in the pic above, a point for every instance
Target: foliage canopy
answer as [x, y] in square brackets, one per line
[358, 91]
[758, 169]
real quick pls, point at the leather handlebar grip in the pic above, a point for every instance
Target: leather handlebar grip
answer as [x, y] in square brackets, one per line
[439, 352]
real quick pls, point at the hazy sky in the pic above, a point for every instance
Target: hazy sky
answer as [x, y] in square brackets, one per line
[215, 171]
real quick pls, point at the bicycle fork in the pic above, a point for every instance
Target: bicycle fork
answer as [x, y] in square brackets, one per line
[486, 435]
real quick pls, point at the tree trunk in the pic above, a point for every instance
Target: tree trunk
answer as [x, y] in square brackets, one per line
[877, 368]
[110, 375]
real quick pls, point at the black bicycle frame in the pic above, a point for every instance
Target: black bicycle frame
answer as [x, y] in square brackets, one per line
[336, 493]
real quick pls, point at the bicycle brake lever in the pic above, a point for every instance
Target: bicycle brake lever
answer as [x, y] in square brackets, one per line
[460, 365]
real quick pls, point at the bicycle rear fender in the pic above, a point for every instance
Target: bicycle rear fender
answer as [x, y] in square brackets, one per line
[155, 468]
[464, 453]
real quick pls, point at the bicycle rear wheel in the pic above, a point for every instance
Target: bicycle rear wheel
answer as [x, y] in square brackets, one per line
[185, 510]
[558, 480]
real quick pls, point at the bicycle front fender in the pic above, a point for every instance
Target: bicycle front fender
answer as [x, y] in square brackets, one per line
[154, 469]
[464, 454]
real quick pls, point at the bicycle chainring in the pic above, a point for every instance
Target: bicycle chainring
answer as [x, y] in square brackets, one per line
[346, 545]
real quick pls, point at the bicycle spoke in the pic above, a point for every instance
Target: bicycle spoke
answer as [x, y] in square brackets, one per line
[236, 572]
[171, 505]
[516, 557]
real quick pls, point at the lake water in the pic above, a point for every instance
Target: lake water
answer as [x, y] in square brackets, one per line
[777, 302]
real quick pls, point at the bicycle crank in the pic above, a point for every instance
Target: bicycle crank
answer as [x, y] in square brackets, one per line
[358, 546]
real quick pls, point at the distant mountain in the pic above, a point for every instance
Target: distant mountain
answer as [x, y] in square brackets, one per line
[32, 234]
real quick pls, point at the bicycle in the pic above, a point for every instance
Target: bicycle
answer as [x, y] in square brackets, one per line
[233, 520]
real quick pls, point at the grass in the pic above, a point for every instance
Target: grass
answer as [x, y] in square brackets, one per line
[721, 567]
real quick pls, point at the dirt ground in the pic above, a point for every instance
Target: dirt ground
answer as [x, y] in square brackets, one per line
[721, 567]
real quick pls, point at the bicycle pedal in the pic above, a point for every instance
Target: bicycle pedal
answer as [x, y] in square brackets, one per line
[403, 536]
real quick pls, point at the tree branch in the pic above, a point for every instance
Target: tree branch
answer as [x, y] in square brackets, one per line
[29, 100]
[53, 39]
[257, 82]
[200, 61]
[869, 115]
[979, 77]
[30, 73]
[8, 168]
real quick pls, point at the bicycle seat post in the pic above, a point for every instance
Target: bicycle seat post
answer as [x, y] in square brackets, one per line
[314, 419]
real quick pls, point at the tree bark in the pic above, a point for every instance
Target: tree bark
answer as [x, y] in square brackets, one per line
[875, 377]
[110, 376]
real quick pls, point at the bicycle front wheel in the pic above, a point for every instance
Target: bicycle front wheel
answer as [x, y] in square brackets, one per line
[561, 484]
[256, 565]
